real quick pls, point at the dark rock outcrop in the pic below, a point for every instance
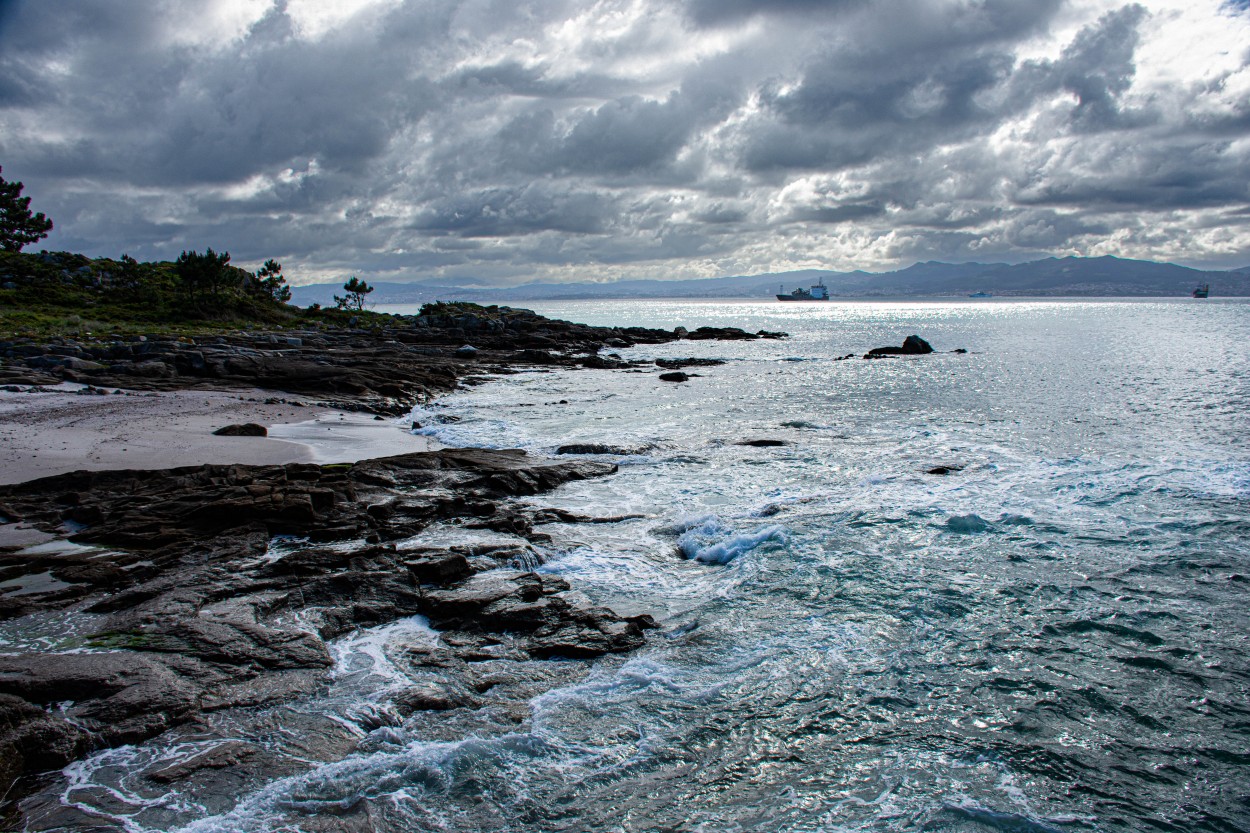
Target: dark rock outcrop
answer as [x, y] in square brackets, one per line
[675, 376]
[385, 370]
[730, 334]
[912, 346]
[678, 364]
[196, 610]
[247, 429]
[194, 606]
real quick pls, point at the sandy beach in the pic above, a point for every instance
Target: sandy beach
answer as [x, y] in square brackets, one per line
[59, 430]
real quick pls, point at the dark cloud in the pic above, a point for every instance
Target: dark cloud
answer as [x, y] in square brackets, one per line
[721, 12]
[510, 140]
[623, 135]
[505, 212]
[1097, 68]
[839, 213]
[1049, 230]
[1169, 178]
[534, 81]
[630, 133]
[187, 114]
[886, 91]
[719, 213]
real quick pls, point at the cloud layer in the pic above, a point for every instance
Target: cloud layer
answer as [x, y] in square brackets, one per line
[510, 140]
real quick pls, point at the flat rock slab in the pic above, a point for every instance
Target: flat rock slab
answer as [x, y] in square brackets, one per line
[193, 605]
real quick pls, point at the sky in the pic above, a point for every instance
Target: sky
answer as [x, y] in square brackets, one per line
[507, 141]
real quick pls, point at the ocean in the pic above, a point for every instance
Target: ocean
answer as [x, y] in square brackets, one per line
[1052, 635]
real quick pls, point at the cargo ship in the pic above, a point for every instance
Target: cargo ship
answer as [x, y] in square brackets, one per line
[818, 292]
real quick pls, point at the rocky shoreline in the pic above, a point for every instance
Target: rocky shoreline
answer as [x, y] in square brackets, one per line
[180, 602]
[382, 369]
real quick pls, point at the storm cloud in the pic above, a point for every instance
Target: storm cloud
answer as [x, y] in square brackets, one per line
[575, 140]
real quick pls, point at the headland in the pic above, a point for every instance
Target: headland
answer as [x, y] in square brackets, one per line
[157, 578]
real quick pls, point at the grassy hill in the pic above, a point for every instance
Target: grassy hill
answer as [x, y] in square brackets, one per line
[65, 294]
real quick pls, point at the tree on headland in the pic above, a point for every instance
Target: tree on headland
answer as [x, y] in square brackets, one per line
[18, 225]
[356, 291]
[207, 273]
[267, 282]
[135, 279]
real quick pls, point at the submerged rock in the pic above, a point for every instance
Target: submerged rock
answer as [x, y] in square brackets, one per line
[598, 448]
[678, 364]
[968, 524]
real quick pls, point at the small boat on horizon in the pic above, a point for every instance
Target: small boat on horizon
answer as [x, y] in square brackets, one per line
[981, 295]
[819, 292]
[1202, 291]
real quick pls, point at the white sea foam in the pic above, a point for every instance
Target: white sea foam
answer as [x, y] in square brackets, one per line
[419, 771]
[365, 652]
[108, 783]
[711, 542]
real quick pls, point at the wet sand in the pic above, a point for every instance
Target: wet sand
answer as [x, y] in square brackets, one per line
[59, 430]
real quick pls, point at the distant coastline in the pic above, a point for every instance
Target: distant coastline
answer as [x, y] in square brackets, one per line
[1050, 277]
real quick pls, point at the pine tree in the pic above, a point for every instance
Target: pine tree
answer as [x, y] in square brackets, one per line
[18, 225]
[268, 282]
[356, 292]
[200, 273]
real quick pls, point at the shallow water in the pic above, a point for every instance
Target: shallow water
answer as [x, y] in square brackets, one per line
[1051, 637]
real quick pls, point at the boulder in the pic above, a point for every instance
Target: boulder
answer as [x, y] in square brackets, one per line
[916, 346]
[83, 365]
[247, 429]
[675, 376]
[913, 345]
[438, 567]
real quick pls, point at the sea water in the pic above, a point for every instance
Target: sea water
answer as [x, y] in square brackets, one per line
[1053, 635]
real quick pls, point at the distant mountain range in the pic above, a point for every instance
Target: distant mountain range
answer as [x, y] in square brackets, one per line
[1079, 276]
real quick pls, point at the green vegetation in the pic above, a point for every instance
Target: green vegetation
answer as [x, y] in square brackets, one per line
[18, 225]
[269, 283]
[59, 293]
[356, 291]
[52, 294]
